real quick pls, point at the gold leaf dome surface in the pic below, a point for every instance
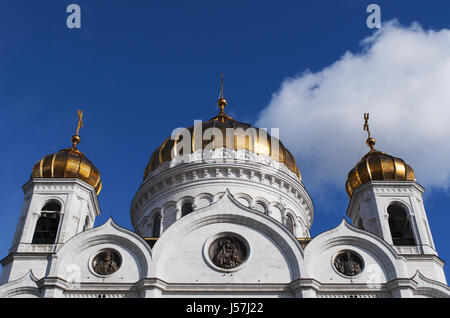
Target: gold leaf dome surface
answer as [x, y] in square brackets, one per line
[68, 163]
[377, 165]
[222, 121]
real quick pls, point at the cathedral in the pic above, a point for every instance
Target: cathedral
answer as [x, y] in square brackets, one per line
[222, 212]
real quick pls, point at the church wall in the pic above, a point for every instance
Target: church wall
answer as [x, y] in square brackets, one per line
[21, 265]
[256, 186]
[81, 264]
[374, 270]
[74, 261]
[265, 264]
[429, 266]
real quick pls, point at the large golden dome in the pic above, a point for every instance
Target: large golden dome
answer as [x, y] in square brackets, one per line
[69, 163]
[377, 165]
[222, 121]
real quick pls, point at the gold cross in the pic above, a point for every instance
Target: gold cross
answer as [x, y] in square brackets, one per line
[221, 85]
[80, 121]
[370, 141]
[366, 123]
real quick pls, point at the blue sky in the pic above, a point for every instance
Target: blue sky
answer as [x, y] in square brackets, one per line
[139, 69]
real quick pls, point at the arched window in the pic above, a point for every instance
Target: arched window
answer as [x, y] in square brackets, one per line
[260, 207]
[290, 223]
[186, 209]
[400, 226]
[157, 225]
[47, 224]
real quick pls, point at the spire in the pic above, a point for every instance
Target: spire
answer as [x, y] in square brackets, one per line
[370, 140]
[76, 138]
[222, 102]
[221, 85]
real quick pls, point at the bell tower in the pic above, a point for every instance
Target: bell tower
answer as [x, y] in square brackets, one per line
[60, 202]
[386, 200]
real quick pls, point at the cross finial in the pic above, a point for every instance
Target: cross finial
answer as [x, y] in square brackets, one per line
[80, 121]
[366, 123]
[76, 138]
[222, 102]
[221, 85]
[370, 141]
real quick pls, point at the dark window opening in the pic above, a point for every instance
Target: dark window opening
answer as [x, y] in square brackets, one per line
[400, 226]
[157, 225]
[186, 209]
[47, 224]
[86, 224]
[290, 224]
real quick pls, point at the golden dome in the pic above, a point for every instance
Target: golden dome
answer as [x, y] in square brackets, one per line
[69, 163]
[257, 145]
[377, 165]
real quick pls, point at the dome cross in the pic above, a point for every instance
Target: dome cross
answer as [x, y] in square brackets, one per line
[76, 138]
[80, 121]
[370, 140]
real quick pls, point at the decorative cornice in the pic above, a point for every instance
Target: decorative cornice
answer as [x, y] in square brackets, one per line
[23, 256]
[62, 185]
[384, 188]
[223, 155]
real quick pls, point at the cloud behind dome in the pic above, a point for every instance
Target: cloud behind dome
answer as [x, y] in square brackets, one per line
[401, 76]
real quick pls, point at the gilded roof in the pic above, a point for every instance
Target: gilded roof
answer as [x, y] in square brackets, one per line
[257, 145]
[68, 163]
[377, 165]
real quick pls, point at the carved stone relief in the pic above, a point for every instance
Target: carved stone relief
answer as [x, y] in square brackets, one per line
[227, 252]
[348, 263]
[106, 262]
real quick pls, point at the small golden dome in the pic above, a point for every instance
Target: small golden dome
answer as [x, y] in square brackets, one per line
[377, 165]
[69, 163]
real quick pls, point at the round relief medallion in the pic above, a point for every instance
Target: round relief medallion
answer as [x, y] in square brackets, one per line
[228, 252]
[348, 263]
[106, 262]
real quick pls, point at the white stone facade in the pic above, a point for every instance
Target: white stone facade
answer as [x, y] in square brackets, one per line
[249, 200]
[254, 182]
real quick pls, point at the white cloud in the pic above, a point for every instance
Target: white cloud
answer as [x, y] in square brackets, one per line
[401, 77]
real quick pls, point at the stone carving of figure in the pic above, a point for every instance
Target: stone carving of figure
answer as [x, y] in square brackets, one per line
[348, 264]
[228, 253]
[106, 264]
